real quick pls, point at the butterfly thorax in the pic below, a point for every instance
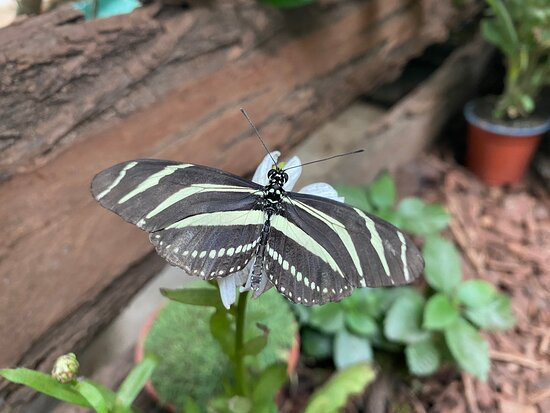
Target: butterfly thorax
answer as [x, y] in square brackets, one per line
[273, 192]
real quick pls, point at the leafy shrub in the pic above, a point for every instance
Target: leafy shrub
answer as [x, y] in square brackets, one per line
[439, 323]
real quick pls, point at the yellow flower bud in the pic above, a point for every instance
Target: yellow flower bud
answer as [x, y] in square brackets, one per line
[66, 368]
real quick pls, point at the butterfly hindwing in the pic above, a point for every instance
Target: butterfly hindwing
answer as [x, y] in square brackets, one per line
[200, 219]
[343, 248]
[211, 245]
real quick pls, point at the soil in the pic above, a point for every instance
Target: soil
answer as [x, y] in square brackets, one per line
[504, 238]
[484, 109]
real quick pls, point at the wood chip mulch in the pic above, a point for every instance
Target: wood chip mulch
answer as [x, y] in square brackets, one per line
[504, 238]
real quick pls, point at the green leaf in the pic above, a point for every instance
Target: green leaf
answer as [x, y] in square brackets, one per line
[418, 217]
[268, 384]
[93, 395]
[422, 358]
[332, 397]
[468, 348]
[316, 344]
[382, 192]
[403, 320]
[328, 318]
[356, 196]
[442, 264]
[255, 345]
[475, 293]
[350, 349]
[223, 332]
[361, 324]
[208, 297]
[287, 3]
[45, 384]
[136, 379]
[191, 406]
[527, 103]
[495, 315]
[439, 312]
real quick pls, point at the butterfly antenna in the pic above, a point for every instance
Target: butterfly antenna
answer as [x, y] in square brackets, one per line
[243, 111]
[326, 159]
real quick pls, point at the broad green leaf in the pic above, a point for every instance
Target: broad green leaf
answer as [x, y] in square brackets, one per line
[439, 312]
[404, 318]
[93, 395]
[45, 384]
[316, 344]
[361, 324]
[468, 348]
[332, 397]
[418, 217]
[527, 103]
[136, 379]
[255, 345]
[356, 196]
[422, 358]
[287, 3]
[328, 318]
[475, 293]
[382, 192]
[268, 384]
[442, 264]
[350, 349]
[495, 315]
[208, 297]
[222, 330]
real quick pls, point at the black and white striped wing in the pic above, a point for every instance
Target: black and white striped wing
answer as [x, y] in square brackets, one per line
[320, 249]
[200, 219]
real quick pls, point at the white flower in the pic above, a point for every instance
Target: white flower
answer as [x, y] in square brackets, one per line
[229, 284]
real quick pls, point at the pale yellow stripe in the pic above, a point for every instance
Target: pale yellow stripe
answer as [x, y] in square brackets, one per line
[195, 189]
[404, 255]
[375, 240]
[117, 180]
[295, 233]
[338, 228]
[224, 218]
[153, 180]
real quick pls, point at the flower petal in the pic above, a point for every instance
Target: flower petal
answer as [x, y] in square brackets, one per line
[293, 174]
[227, 290]
[260, 176]
[322, 189]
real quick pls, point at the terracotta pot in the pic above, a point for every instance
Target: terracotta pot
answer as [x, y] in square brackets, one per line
[150, 389]
[499, 153]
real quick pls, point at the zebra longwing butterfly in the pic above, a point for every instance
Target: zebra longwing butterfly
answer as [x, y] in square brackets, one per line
[212, 223]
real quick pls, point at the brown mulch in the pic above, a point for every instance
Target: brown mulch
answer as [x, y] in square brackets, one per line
[504, 237]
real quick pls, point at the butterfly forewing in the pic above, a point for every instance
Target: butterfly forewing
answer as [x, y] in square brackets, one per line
[200, 219]
[343, 248]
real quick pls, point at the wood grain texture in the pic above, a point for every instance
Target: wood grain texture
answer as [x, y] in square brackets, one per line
[165, 84]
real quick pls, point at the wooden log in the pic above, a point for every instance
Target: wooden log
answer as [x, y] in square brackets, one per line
[167, 85]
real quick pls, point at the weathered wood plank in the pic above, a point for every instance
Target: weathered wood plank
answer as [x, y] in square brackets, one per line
[409, 126]
[61, 251]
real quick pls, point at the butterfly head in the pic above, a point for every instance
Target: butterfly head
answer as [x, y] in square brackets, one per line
[277, 177]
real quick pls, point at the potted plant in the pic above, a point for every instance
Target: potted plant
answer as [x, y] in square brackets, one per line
[195, 367]
[504, 131]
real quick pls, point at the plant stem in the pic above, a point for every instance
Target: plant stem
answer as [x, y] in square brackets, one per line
[239, 341]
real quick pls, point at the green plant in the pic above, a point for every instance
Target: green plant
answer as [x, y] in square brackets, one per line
[250, 371]
[64, 385]
[441, 322]
[521, 30]
[193, 363]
